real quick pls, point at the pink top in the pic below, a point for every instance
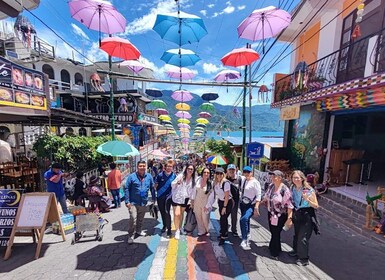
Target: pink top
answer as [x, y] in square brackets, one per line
[278, 201]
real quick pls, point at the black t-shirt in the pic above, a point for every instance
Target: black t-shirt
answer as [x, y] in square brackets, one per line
[79, 187]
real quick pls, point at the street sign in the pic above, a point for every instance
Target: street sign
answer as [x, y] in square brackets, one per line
[255, 150]
[254, 161]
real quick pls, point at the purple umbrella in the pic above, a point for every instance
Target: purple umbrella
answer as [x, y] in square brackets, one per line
[182, 95]
[184, 125]
[185, 140]
[161, 111]
[183, 115]
[226, 75]
[264, 23]
[181, 73]
[205, 115]
[134, 65]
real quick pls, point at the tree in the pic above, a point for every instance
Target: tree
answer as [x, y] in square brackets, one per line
[220, 147]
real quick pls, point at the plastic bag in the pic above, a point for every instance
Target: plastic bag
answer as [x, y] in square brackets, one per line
[191, 222]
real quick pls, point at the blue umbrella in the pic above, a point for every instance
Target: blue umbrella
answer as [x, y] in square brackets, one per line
[210, 96]
[180, 28]
[117, 149]
[180, 57]
[154, 93]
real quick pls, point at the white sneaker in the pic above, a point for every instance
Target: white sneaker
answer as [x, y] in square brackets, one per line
[244, 244]
[177, 234]
[248, 241]
[130, 240]
[142, 233]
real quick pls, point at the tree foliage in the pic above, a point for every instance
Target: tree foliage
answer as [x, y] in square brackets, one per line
[220, 147]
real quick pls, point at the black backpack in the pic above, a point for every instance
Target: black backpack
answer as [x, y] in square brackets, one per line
[234, 190]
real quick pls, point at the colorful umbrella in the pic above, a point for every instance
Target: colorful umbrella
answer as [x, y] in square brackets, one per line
[158, 153]
[181, 73]
[161, 111]
[183, 125]
[158, 104]
[240, 57]
[182, 107]
[117, 149]
[217, 159]
[264, 23]
[199, 129]
[180, 28]
[166, 122]
[118, 47]
[182, 95]
[210, 96]
[205, 115]
[184, 130]
[183, 115]
[201, 125]
[208, 107]
[180, 57]
[168, 125]
[134, 65]
[202, 120]
[165, 117]
[183, 121]
[226, 75]
[185, 140]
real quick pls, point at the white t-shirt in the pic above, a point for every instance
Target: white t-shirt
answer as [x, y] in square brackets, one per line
[219, 193]
[252, 189]
[180, 191]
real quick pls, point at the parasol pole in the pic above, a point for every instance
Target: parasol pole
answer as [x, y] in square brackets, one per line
[244, 119]
[250, 97]
[263, 33]
[100, 24]
[111, 98]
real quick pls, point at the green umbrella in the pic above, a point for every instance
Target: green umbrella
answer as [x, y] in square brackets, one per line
[158, 104]
[117, 149]
[207, 107]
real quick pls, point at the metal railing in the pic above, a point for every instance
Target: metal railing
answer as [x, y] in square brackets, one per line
[362, 58]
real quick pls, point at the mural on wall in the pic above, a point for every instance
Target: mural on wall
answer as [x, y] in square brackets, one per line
[307, 139]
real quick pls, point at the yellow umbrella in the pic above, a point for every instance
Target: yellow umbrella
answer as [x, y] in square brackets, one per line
[202, 120]
[165, 117]
[184, 121]
[182, 107]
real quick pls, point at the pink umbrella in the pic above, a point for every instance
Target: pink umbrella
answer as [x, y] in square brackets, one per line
[159, 153]
[205, 115]
[183, 115]
[161, 111]
[182, 95]
[240, 57]
[181, 73]
[226, 75]
[119, 47]
[134, 65]
[185, 125]
[264, 23]
[185, 140]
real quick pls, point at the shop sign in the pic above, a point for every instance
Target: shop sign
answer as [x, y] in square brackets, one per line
[290, 112]
[21, 87]
[9, 203]
[148, 118]
[119, 117]
[255, 150]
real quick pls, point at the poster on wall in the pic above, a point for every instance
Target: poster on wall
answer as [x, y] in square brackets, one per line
[21, 87]
[9, 204]
[290, 112]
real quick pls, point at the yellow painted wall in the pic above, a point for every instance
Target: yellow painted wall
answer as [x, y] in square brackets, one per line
[308, 50]
[346, 4]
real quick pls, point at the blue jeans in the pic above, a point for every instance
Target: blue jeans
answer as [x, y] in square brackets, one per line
[246, 213]
[63, 204]
[116, 197]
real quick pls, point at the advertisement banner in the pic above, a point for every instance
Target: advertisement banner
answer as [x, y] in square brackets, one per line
[9, 203]
[290, 112]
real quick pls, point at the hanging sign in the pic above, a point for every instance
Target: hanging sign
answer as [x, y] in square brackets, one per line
[290, 112]
[255, 150]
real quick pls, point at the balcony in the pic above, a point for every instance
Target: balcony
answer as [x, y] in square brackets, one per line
[363, 58]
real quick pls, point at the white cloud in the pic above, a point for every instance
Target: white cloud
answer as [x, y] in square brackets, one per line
[240, 8]
[229, 10]
[78, 31]
[203, 12]
[210, 68]
[211, 6]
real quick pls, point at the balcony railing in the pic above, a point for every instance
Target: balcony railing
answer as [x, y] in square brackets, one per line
[360, 59]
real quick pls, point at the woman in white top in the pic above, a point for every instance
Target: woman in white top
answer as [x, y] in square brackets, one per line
[225, 202]
[250, 191]
[181, 190]
[199, 198]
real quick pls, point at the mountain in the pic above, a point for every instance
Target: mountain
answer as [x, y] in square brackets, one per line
[263, 117]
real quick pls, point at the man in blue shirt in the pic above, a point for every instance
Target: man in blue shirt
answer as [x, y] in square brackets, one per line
[163, 192]
[54, 179]
[136, 197]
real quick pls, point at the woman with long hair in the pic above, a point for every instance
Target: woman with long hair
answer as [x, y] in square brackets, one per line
[182, 187]
[199, 198]
[305, 201]
[225, 201]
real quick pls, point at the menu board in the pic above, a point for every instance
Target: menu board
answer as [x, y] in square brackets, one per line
[9, 203]
[33, 211]
[21, 87]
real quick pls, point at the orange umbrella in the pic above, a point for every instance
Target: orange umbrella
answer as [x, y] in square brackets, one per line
[182, 107]
[118, 47]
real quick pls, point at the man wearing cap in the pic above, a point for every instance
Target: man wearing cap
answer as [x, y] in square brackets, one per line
[54, 179]
[235, 183]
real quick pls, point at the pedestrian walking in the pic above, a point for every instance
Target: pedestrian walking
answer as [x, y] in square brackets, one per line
[114, 179]
[136, 198]
[199, 198]
[181, 192]
[305, 201]
[225, 202]
[54, 179]
[163, 195]
[235, 184]
[250, 199]
[279, 206]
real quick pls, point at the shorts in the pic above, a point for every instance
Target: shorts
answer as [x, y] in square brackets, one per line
[184, 205]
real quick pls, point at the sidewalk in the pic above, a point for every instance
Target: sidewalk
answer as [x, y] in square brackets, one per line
[153, 257]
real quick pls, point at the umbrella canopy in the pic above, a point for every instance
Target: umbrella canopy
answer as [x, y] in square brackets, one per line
[240, 57]
[181, 73]
[185, 140]
[182, 95]
[165, 117]
[185, 125]
[98, 15]
[217, 159]
[180, 28]
[166, 122]
[182, 106]
[169, 125]
[183, 115]
[186, 121]
[184, 130]
[199, 129]
[161, 111]
[134, 65]
[202, 120]
[226, 75]
[159, 153]
[201, 125]
[180, 57]
[210, 96]
[119, 47]
[154, 92]
[208, 107]
[205, 115]
[157, 103]
[117, 149]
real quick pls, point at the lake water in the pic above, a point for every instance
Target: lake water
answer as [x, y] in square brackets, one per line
[257, 136]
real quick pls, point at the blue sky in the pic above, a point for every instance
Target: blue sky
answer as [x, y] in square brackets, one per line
[221, 19]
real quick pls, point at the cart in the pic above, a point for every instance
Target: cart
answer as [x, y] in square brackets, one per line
[89, 222]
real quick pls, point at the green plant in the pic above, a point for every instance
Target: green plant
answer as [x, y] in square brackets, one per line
[220, 147]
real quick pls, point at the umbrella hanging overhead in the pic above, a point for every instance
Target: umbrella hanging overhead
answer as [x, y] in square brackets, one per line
[183, 125]
[181, 73]
[208, 107]
[161, 111]
[182, 107]
[158, 104]
[180, 57]
[227, 75]
[210, 96]
[201, 125]
[182, 95]
[217, 159]
[159, 153]
[119, 47]
[202, 120]
[183, 121]
[165, 117]
[134, 65]
[166, 122]
[117, 149]
[154, 92]
[205, 115]
[185, 140]
[183, 115]
[240, 57]
[180, 28]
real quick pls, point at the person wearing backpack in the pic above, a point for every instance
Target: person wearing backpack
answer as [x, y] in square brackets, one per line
[305, 201]
[250, 197]
[225, 202]
[235, 184]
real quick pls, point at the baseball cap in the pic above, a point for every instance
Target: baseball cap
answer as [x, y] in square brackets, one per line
[231, 166]
[276, 173]
[247, 169]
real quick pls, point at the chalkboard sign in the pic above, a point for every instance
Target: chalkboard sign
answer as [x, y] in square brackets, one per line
[33, 211]
[9, 203]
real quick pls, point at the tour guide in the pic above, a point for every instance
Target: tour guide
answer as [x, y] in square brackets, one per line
[136, 197]
[54, 178]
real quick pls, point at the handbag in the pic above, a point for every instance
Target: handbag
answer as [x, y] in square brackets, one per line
[191, 221]
[244, 199]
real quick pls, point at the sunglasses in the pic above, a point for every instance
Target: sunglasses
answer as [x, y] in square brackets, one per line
[218, 173]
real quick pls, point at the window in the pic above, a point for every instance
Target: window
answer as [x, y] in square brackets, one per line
[78, 79]
[47, 69]
[65, 78]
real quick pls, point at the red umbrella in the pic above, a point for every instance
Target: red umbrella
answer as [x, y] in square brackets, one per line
[118, 47]
[240, 57]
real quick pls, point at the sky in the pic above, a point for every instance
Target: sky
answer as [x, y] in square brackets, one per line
[221, 18]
